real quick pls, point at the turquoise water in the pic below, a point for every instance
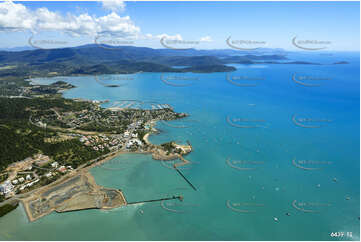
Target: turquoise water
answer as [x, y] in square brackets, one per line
[265, 192]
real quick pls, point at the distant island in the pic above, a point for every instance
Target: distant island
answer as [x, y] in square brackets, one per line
[94, 60]
[341, 63]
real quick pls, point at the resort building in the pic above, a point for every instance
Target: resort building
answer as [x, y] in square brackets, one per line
[6, 187]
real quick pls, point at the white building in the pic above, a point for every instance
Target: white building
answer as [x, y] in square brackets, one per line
[62, 169]
[132, 142]
[6, 187]
[32, 183]
[41, 124]
[28, 177]
[180, 148]
[83, 139]
[54, 164]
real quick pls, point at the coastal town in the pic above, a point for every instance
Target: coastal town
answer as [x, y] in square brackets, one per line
[104, 132]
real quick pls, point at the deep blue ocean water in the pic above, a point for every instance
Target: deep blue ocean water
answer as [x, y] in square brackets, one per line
[247, 159]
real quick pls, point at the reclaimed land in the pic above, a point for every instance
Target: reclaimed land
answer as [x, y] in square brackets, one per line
[77, 193]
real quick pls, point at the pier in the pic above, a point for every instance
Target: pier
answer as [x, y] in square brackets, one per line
[180, 173]
[158, 200]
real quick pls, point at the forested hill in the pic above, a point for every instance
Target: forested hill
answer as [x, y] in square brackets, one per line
[21, 139]
[93, 59]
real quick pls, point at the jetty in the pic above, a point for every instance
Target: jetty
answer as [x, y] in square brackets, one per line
[180, 173]
[158, 200]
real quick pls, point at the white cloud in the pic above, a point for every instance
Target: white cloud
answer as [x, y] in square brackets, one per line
[114, 5]
[16, 17]
[114, 24]
[206, 39]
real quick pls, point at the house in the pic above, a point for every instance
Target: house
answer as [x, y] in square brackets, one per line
[62, 169]
[28, 177]
[14, 182]
[126, 134]
[54, 164]
[21, 179]
[48, 175]
[31, 183]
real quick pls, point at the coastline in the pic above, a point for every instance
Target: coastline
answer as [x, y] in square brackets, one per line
[84, 170]
[146, 138]
[37, 197]
[79, 192]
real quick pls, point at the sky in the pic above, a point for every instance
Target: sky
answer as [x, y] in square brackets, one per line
[200, 25]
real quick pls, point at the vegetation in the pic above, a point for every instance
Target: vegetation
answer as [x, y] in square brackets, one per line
[19, 108]
[71, 152]
[90, 60]
[168, 146]
[8, 208]
[3, 177]
[21, 139]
